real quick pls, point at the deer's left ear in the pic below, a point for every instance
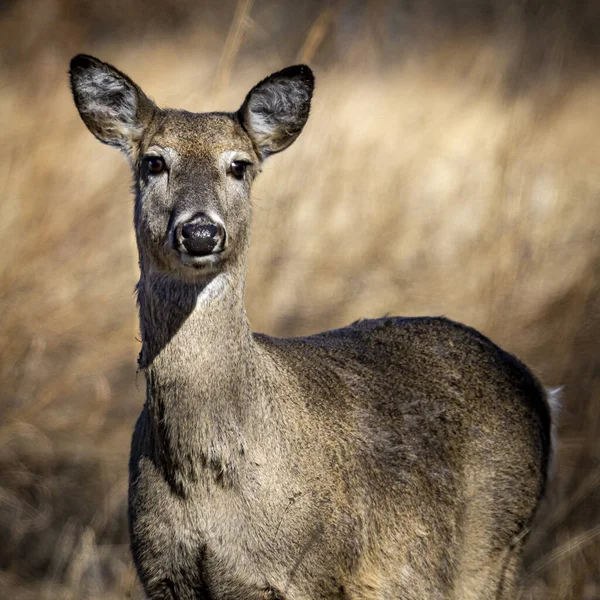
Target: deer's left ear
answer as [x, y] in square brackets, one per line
[276, 110]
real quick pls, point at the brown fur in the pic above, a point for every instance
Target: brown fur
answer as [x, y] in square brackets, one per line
[394, 458]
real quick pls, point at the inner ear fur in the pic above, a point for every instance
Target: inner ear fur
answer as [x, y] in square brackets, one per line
[276, 109]
[111, 105]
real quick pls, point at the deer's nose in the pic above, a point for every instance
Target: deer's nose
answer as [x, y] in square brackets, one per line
[201, 236]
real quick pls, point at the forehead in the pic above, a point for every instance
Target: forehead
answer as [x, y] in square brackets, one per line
[199, 133]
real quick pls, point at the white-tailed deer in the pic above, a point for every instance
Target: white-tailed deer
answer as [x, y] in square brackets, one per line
[392, 459]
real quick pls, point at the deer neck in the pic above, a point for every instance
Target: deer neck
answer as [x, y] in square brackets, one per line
[197, 353]
[193, 328]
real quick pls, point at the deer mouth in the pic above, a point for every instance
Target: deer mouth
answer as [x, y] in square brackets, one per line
[206, 262]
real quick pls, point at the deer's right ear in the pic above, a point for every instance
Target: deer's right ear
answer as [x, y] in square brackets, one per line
[112, 106]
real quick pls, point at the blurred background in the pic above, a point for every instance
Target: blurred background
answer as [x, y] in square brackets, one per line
[450, 166]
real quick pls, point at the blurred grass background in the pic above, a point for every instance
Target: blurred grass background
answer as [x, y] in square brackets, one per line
[450, 166]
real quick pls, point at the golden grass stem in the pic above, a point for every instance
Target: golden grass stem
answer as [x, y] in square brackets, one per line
[316, 35]
[232, 44]
[576, 543]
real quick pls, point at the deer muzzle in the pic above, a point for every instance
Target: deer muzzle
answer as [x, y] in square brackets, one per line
[200, 236]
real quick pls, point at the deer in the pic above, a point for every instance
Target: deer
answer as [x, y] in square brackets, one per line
[392, 458]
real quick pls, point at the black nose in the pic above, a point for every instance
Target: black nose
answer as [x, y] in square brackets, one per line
[201, 236]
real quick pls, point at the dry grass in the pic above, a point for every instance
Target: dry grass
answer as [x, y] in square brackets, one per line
[458, 178]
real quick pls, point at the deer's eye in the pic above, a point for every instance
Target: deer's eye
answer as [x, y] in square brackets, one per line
[155, 164]
[238, 168]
